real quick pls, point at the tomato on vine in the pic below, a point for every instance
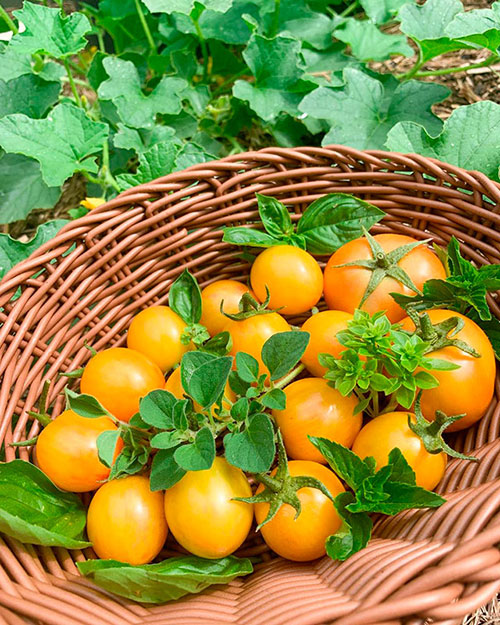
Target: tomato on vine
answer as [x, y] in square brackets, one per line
[66, 451]
[118, 377]
[225, 292]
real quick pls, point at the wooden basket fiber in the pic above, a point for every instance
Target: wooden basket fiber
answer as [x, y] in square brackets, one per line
[421, 566]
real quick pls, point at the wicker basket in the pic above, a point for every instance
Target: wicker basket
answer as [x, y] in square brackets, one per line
[421, 565]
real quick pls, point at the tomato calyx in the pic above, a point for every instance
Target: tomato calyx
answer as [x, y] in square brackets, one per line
[249, 307]
[42, 416]
[431, 432]
[282, 488]
[385, 265]
[440, 335]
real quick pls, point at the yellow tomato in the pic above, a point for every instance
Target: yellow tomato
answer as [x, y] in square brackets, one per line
[228, 291]
[323, 328]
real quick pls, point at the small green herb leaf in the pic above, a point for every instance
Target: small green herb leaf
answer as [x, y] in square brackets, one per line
[274, 216]
[165, 472]
[250, 237]
[253, 449]
[106, 446]
[275, 399]
[164, 581]
[156, 409]
[344, 462]
[185, 298]
[218, 345]
[166, 440]
[205, 378]
[247, 367]
[282, 351]
[85, 405]
[198, 455]
[354, 533]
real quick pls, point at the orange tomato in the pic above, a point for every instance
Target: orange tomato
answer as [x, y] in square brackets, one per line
[126, 521]
[156, 332]
[249, 335]
[118, 377]
[229, 291]
[66, 451]
[316, 409]
[387, 431]
[303, 539]
[292, 275]
[202, 513]
[174, 385]
[323, 328]
[345, 286]
[468, 389]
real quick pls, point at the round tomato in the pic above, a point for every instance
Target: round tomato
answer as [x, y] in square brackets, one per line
[292, 275]
[345, 286]
[126, 521]
[249, 335]
[227, 291]
[118, 377]
[468, 389]
[387, 431]
[316, 409]
[202, 514]
[323, 328]
[156, 332]
[303, 539]
[174, 385]
[66, 451]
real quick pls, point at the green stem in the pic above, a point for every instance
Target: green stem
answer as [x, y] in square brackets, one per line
[391, 406]
[8, 20]
[418, 64]
[203, 46]
[145, 26]
[92, 179]
[100, 41]
[276, 19]
[289, 377]
[453, 70]
[376, 408]
[350, 9]
[77, 81]
[108, 177]
[229, 81]
[72, 83]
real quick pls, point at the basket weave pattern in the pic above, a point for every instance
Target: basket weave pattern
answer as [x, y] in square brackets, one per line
[421, 565]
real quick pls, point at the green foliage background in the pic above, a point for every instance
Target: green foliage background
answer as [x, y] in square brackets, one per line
[124, 92]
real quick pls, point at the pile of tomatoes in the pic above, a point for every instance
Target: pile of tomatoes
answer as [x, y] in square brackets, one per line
[130, 523]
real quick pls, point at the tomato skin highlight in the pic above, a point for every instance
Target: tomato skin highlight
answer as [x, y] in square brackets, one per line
[201, 514]
[126, 521]
[379, 437]
[66, 451]
[156, 332]
[231, 291]
[292, 275]
[249, 335]
[316, 409]
[468, 389]
[118, 377]
[323, 328]
[303, 539]
[345, 286]
[174, 386]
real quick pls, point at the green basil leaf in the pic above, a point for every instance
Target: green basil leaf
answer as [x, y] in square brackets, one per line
[165, 472]
[85, 405]
[106, 446]
[247, 367]
[274, 399]
[282, 351]
[335, 219]
[403, 497]
[354, 533]
[33, 510]
[252, 450]
[401, 470]
[164, 581]
[344, 462]
[492, 329]
[425, 380]
[184, 298]
[489, 275]
[205, 381]
[199, 455]
[274, 216]
[439, 364]
[249, 236]
[405, 396]
[156, 409]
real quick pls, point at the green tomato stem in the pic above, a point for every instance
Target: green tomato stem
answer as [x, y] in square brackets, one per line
[8, 20]
[145, 26]
[289, 377]
[74, 90]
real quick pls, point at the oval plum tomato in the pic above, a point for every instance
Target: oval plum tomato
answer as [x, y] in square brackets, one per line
[249, 335]
[126, 521]
[345, 286]
[316, 409]
[468, 389]
[323, 328]
[387, 431]
[156, 332]
[229, 291]
[202, 514]
[303, 539]
[66, 451]
[292, 275]
[118, 377]
[174, 385]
